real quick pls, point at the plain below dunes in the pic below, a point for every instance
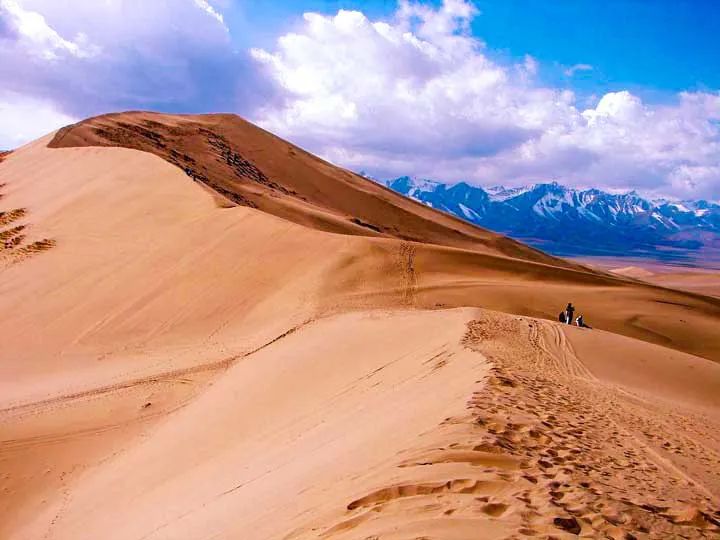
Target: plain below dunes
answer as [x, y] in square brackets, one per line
[696, 280]
[272, 367]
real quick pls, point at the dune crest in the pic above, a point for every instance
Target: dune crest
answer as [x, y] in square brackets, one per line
[547, 446]
[248, 166]
[267, 346]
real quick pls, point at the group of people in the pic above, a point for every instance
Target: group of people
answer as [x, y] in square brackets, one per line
[567, 315]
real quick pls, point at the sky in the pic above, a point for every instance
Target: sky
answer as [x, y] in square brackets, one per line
[618, 95]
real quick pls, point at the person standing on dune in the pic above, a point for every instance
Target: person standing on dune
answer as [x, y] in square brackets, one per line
[569, 311]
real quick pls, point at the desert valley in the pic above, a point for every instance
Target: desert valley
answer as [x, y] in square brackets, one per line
[209, 333]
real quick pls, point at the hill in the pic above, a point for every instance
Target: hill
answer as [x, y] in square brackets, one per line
[204, 355]
[248, 166]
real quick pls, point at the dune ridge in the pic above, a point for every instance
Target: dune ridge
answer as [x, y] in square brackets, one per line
[546, 446]
[248, 166]
[182, 364]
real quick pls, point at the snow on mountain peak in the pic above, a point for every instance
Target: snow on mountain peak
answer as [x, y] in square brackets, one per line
[591, 218]
[501, 193]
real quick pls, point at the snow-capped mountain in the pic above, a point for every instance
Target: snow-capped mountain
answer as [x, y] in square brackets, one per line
[568, 221]
[501, 193]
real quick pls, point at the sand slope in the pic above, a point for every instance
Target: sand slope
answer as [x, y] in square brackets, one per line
[704, 280]
[169, 269]
[172, 367]
[474, 421]
[281, 429]
[245, 165]
[701, 282]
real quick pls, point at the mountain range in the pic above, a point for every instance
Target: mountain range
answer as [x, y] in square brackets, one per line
[572, 222]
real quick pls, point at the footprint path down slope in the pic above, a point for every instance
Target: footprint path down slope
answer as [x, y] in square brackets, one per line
[545, 449]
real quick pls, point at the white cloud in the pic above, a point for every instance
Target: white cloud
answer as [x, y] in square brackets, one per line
[207, 8]
[38, 38]
[572, 70]
[23, 119]
[418, 94]
[413, 94]
[169, 55]
[365, 87]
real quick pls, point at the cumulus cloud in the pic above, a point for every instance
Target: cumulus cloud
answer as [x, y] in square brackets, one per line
[415, 93]
[36, 37]
[88, 58]
[411, 88]
[23, 119]
[418, 94]
[207, 8]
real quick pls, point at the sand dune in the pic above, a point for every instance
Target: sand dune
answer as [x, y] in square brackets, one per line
[245, 165]
[701, 282]
[231, 352]
[705, 280]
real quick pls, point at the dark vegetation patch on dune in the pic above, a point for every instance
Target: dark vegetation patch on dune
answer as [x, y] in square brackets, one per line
[12, 233]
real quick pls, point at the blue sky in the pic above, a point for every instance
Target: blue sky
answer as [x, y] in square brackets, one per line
[615, 94]
[657, 48]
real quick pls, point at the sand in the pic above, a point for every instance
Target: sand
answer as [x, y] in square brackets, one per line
[701, 277]
[247, 166]
[178, 363]
[697, 281]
